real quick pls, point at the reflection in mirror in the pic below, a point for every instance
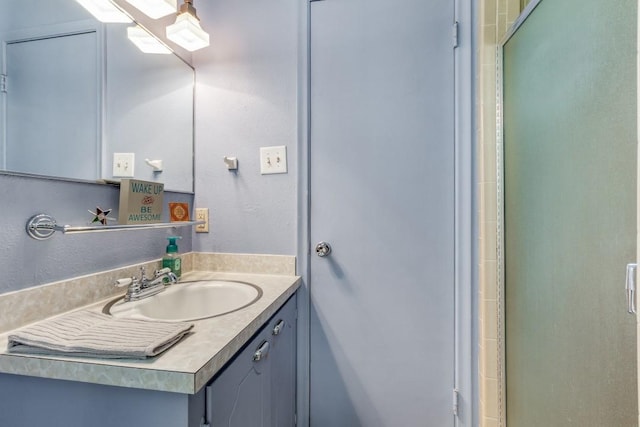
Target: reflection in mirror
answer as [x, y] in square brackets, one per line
[149, 111]
[77, 91]
[40, 129]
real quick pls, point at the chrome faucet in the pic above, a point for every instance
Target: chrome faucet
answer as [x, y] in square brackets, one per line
[144, 287]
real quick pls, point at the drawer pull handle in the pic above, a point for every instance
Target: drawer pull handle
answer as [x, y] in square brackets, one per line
[261, 352]
[278, 328]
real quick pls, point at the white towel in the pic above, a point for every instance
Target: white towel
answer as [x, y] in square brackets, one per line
[86, 333]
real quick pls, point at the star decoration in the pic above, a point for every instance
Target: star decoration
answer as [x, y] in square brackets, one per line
[101, 215]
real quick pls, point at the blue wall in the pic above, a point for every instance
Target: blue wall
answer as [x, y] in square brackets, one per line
[246, 98]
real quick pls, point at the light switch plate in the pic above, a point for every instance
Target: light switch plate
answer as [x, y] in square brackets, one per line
[202, 214]
[123, 164]
[273, 160]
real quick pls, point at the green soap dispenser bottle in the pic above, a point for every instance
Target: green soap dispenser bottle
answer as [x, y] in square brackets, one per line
[172, 259]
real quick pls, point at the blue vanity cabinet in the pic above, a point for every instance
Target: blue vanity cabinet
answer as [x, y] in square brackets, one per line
[257, 388]
[31, 401]
[245, 393]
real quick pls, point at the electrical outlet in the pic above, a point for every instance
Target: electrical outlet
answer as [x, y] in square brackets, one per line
[123, 164]
[202, 214]
[273, 160]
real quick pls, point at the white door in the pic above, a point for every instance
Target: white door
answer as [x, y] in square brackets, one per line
[382, 197]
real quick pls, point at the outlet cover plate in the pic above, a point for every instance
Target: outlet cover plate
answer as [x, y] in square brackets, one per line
[202, 214]
[273, 159]
[123, 164]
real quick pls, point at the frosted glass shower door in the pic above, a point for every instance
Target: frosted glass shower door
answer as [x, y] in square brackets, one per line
[569, 97]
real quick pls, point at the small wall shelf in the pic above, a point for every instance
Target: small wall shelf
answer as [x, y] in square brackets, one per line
[43, 226]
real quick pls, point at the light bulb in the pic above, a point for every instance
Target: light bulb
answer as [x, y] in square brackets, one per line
[155, 9]
[105, 11]
[145, 41]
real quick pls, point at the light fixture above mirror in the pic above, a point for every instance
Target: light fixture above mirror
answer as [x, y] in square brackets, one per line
[186, 31]
[155, 9]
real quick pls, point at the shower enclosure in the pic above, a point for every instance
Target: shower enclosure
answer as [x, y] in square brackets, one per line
[568, 229]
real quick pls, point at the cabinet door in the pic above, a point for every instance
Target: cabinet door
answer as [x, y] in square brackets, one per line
[240, 395]
[283, 366]
[259, 393]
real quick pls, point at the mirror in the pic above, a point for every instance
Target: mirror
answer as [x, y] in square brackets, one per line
[77, 91]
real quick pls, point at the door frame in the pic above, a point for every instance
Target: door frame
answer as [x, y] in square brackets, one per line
[500, 286]
[465, 223]
[638, 194]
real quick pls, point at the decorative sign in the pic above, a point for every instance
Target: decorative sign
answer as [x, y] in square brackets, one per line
[178, 212]
[140, 201]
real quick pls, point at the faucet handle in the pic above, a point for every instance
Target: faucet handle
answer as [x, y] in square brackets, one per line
[163, 271]
[123, 282]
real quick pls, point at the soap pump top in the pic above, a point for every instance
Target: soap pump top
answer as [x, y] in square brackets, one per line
[171, 259]
[172, 247]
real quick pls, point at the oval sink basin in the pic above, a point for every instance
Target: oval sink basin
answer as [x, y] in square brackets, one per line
[189, 301]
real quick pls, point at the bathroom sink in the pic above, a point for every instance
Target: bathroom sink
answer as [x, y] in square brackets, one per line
[187, 301]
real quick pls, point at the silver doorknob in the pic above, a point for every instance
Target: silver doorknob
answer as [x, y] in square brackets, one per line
[323, 249]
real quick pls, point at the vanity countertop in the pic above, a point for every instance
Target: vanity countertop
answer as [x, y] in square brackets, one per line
[185, 367]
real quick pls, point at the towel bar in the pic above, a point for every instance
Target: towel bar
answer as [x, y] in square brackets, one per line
[43, 226]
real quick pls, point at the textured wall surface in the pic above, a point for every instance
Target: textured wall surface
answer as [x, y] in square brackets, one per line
[246, 95]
